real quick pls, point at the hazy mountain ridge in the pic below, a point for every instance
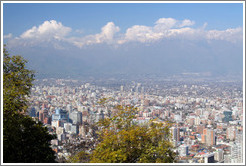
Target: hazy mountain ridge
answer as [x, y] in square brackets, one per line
[163, 58]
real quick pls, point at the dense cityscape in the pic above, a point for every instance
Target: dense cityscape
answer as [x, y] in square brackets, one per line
[110, 82]
[206, 116]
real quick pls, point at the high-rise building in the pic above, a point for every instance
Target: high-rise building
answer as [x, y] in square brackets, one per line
[60, 115]
[227, 158]
[74, 129]
[204, 135]
[76, 117]
[231, 133]
[183, 150]
[210, 138]
[237, 149]
[239, 142]
[227, 116]
[175, 134]
[67, 127]
[219, 155]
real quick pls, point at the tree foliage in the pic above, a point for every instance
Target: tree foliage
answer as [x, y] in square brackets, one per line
[80, 157]
[122, 140]
[24, 140]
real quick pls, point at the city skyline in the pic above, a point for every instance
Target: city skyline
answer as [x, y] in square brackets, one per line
[206, 117]
[127, 38]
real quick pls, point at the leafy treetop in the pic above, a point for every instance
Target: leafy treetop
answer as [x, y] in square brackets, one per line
[123, 140]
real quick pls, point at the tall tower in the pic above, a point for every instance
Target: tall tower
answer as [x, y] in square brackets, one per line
[175, 134]
[231, 133]
[209, 137]
[204, 136]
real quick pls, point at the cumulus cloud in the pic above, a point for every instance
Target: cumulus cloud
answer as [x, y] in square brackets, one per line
[231, 35]
[186, 22]
[168, 28]
[165, 23]
[164, 28]
[48, 30]
[8, 36]
[139, 33]
[106, 36]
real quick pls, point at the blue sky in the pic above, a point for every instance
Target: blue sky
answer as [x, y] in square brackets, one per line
[91, 17]
[180, 37]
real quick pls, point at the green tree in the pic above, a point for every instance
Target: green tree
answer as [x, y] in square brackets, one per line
[80, 157]
[122, 140]
[24, 140]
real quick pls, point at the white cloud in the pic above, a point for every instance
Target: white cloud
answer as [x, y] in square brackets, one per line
[55, 34]
[106, 36]
[186, 22]
[8, 36]
[231, 35]
[167, 28]
[164, 28]
[138, 33]
[47, 31]
[165, 23]
[108, 31]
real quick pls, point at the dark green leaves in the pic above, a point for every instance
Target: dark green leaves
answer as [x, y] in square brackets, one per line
[24, 140]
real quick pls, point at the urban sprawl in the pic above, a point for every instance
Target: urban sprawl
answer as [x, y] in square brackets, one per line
[206, 117]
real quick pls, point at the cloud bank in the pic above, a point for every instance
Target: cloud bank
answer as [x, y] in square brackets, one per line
[106, 36]
[56, 34]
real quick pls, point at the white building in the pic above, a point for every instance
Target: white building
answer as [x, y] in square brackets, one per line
[183, 150]
[219, 155]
